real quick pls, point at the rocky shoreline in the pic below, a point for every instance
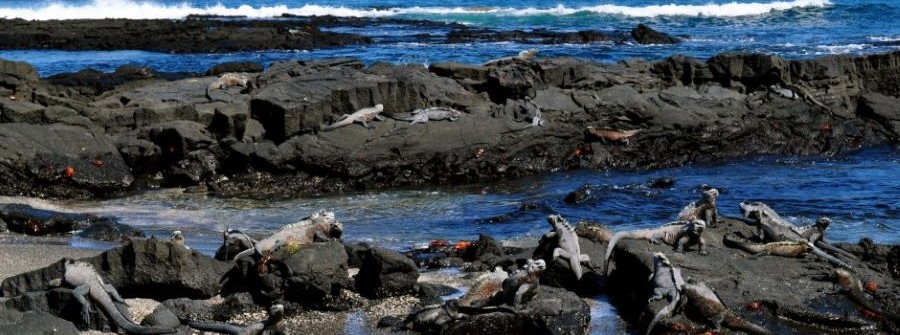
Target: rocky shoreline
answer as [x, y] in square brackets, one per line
[104, 134]
[315, 282]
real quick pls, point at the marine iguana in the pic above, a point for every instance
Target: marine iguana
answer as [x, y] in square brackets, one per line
[430, 114]
[178, 238]
[783, 248]
[533, 112]
[88, 283]
[523, 283]
[229, 80]
[705, 302]
[667, 283]
[678, 234]
[524, 55]
[484, 289]
[623, 136]
[321, 225]
[362, 116]
[850, 286]
[705, 209]
[567, 244]
[593, 232]
[771, 227]
[276, 315]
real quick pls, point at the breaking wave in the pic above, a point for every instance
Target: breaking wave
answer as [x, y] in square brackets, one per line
[136, 9]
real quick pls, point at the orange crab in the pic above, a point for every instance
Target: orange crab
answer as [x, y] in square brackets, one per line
[69, 172]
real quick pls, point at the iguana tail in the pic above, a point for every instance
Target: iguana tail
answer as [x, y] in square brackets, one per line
[615, 239]
[122, 322]
[226, 328]
[730, 242]
[831, 259]
[664, 312]
[735, 323]
[245, 253]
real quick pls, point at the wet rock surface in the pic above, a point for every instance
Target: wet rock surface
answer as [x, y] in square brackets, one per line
[267, 140]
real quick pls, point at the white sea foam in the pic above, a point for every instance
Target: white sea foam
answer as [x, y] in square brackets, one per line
[141, 9]
[885, 38]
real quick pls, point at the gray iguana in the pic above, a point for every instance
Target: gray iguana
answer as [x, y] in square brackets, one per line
[362, 116]
[771, 227]
[567, 246]
[321, 225]
[89, 286]
[705, 209]
[524, 55]
[229, 80]
[678, 234]
[667, 283]
[430, 114]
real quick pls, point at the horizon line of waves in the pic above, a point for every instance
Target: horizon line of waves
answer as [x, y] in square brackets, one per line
[138, 9]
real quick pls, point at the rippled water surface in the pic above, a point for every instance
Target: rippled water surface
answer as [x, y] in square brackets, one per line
[859, 192]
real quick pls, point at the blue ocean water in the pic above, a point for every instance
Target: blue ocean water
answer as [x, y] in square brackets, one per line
[859, 192]
[790, 28]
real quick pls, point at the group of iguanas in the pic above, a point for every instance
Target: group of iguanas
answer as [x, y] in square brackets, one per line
[777, 237]
[499, 291]
[89, 287]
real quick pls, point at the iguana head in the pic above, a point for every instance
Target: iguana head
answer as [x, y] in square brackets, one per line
[327, 222]
[697, 226]
[823, 222]
[660, 259]
[557, 221]
[710, 195]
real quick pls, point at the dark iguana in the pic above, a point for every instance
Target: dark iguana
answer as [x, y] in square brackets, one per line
[276, 314]
[705, 302]
[567, 246]
[88, 283]
[678, 234]
[771, 227]
[705, 209]
[667, 283]
[234, 242]
[782, 248]
[523, 284]
[321, 225]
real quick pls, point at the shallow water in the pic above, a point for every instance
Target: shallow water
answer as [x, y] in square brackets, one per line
[857, 191]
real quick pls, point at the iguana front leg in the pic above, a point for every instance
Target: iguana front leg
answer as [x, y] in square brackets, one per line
[701, 245]
[114, 294]
[80, 293]
[560, 252]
